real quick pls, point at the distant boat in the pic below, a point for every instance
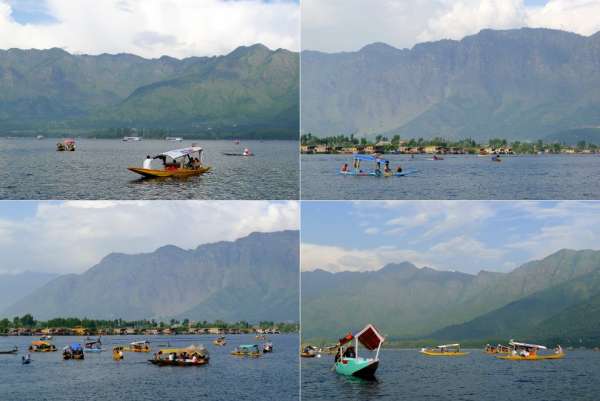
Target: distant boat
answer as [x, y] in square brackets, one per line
[531, 352]
[9, 352]
[39, 137]
[174, 138]
[444, 350]
[131, 139]
[250, 350]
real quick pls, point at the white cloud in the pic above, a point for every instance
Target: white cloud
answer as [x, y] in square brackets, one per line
[347, 25]
[72, 236]
[152, 28]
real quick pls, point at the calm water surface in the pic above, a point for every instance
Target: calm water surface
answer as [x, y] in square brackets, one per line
[33, 169]
[270, 377]
[458, 177]
[408, 375]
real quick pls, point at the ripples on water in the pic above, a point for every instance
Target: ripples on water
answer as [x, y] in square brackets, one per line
[408, 375]
[270, 377]
[33, 169]
[458, 177]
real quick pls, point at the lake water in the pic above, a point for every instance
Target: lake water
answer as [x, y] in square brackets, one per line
[33, 169]
[98, 377]
[457, 177]
[408, 375]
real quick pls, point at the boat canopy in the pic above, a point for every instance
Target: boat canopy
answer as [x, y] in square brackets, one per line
[358, 156]
[179, 153]
[525, 345]
[69, 141]
[369, 337]
[248, 346]
[448, 346]
[38, 343]
[75, 346]
[140, 342]
[190, 350]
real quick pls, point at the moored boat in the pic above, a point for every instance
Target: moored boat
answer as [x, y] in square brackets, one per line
[347, 360]
[184, 162]
[444, 350]
[42, 346]
[531, 352]
[190, 356]
[250, 350]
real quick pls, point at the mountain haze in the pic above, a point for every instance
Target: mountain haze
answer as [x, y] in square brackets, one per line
[252, 88]
[16, 286]
[407, 302]
[515, 84]
[253, 278]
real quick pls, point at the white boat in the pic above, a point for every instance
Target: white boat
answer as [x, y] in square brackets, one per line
[131, 139]
[174, 138]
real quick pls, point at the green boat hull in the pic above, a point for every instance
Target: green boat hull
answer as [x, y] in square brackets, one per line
[358, 367]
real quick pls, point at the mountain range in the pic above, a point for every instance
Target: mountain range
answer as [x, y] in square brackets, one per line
[253, 278]
[538, 300]
[519, 84]
[15, 286]
[250, 89]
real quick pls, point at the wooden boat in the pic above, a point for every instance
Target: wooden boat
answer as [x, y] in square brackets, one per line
[66, 145]
[347, 360]
[117, 353]
[10, 352]
[42, 346]
[497, 349]
[221, 341]
[250, 350]
[308, 352]
[189, 356]
[137, 346]
[73, 351]
[178, 163]
[93, 346]
[530, 352]
[444, 350]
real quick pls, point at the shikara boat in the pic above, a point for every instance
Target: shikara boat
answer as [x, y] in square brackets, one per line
[137, 346]
[308, 352]
[42, 346]
[180, 163]
[347, 361]
[190, 356]
[117, 353]
[66, 145]
[250, 350]
[531, 352]
[221, 341]
[444, 350]
[73, 351]
[93, 346]
[12, 351]
[497, 349]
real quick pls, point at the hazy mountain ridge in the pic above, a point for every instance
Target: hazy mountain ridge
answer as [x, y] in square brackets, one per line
[251, 87]
[15, 286]
[171, 281]
[408, 302]
[516, 84]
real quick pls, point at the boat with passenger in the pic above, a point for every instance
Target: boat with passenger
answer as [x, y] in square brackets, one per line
[190, 356]
[138, 346]
[42, 346]
[175, 163]
[67, 145]
[73, 351]
[220, 341]
[250, 350]
[131, 139]
[117, 352]
[93, 345]
[382, 167]
[531, 352]
[347, 360]
[497, 349]
[444, 350]
[309, 352]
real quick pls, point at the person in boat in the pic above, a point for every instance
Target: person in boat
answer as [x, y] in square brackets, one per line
[344, 168]
[350, 352]
[247, 152]
[558, 350]
[196, 163]
[356, 164]
[147, 163]
[378, 168]
[399, 169]
[386, 167]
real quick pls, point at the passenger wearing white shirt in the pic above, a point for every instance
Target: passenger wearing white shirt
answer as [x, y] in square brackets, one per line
[148, 163]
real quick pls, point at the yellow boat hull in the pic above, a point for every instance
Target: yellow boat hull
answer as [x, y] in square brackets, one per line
[179, 173]
[430, 353]
[531, 358]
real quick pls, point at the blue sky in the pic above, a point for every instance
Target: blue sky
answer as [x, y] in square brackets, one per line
[70, 237]
[467, 236]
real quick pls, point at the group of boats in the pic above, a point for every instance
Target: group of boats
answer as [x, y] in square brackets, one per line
[348, 362]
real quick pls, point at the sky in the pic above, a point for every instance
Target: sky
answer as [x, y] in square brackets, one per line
[72, 236]
[466, 236]
[348, 25]
[149, 28]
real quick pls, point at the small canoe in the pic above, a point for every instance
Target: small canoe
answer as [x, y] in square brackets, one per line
[166, 362]
[532, 357]
[180, 172]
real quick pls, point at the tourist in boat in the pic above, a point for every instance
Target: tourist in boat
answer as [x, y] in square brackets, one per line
[147, 163]
[344, 168]
[399, 169]
[247, 152]
[386, 167]
[350, 352]
[196, 163]
[378, 168]
[558, 350]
